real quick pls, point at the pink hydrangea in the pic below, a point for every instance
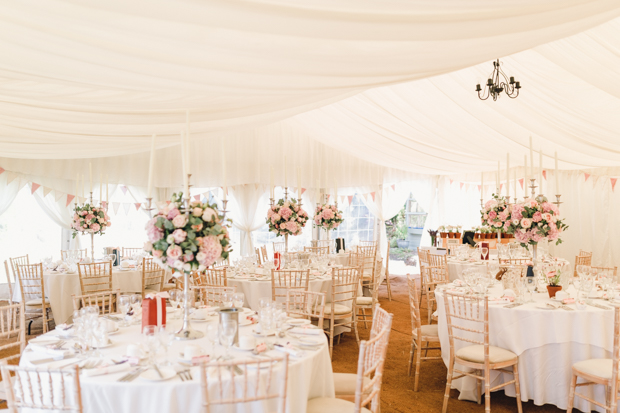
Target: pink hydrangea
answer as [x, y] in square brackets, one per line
[95, 227]
[537, 217]
[492, 215]
[209, 251]
[328, 214]
[179, 235]
[179, 221]
[154, 234]
[285, 212]
[526, 222]
[174, 212]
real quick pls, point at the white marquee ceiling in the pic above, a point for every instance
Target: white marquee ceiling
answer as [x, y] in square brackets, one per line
[390, 83]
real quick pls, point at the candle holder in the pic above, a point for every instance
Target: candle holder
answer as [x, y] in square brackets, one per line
[557, 202]
[92, 236]
[148, 209]
[508, 199]
[533, 187]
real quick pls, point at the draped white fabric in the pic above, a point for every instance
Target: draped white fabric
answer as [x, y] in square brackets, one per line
[9, 191]
[248, 206]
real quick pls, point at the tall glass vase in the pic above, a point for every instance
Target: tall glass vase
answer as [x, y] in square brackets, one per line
[92, 247]
[186, 332]
[285, 242]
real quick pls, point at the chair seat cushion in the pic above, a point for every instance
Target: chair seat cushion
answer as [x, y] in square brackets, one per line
[595, 367]
[363, 300]
[170, 285]
[344, 383]
[475, 354]
[36, 302]
[338, 309]
[429, 330]
[329, 405]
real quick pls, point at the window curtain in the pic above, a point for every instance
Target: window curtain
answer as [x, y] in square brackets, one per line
[248, 208]
[8, 190]
[60, 214]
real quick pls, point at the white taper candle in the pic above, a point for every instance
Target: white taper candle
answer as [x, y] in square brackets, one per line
[149, 190]
[557, 177]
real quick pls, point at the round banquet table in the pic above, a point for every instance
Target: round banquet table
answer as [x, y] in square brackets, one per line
[456, 267]
[60, 286]
[309, 376]
[547, 341]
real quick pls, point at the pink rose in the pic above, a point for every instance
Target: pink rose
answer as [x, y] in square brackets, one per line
[497, 224]
[188, 257]
[157, 253]
[547, 206]
[179, 235]
[209, 214]
[547, 217]
[328, 214]
[173, 213]
[537, 217]
[197, 227]
[269, 213]
[95, 227]
[174, 252]
[89, 217]
[503, 215]
[492, 215]
[551, 274]
[526, 222]
[179, 221]
[197, 212]
[76, 216]
[82, 213]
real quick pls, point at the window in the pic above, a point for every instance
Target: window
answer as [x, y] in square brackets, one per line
[26, 229]
[358, 225]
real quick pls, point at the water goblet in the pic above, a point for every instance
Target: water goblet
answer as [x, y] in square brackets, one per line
[238, 299]
[212, 335]
[152, 342]
[166, 337]
[227, 299]
[227, 333]
[124, 304]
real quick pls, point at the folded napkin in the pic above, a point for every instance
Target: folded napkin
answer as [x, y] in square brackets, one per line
[568, 301]
[289, 350]
[49, 350]
[109, 369]
[307, 330]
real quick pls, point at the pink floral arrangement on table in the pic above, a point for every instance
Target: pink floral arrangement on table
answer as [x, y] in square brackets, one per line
[187, 243]
[553, 270]
[534, 220]
[286, 217]
[496, 214]
[327, 217]
[89, 219]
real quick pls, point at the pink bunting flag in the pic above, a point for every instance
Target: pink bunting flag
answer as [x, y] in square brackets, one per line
[500, 187]
[46, 191]
[613, 183]
[342, 197]
[393, 187]
[116, 206]
[350, 197]
[372, 194]
[58, 195]
[461, 184]
[451, 181]
[1, 170]
[544, 174]
[168, 202]
[69, 199]
[303, 190]
[587, 176]
[197, 197]
[327, 197]
[521, 182]
[34, 187]
[124, 189]
[138, 205]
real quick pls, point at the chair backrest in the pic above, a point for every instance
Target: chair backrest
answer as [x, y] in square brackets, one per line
[584, 258]
[380, 319]
[209, 295]
[31, 284]
[221, 264]
[306, 304]
[95, 277]
[599, 270]
[12, 329]
[317, 250]
[414, 310]
[214, 277]
[8, 280]
[514, 261]
[368, 243]
[152, 276]
[64, 254]
[345, 284]
[366, 264]
[259, 258]
[370, 364]
[367, 250]
[278, 246]
[23, 260]
[467, 317]
[263, 252]
[324, 243]
[247, 387]
[437, 270]
[285, 280]
[423, 257]
[130, 252]
[106, 301]
[32, 388]
[452, 244]
[615, 369]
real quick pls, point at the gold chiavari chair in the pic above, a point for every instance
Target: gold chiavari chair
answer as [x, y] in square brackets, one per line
[8, 280]
[214, 277]
[317, 250]
[359, 392]
[584, 258]
[23, 260]
[325, 243]
[32, 287]
[514, 261]
[424, 263]
[106, 301]
[130, 252]
[387, 273]
[613, 271]
[33, 388]
[342, 309]
[222, 264]
[210, 295]
[247, 387]
[368, 243]
[12, 330]
[467, 317]
[152, 277]
[368, 250]
[372, 285]
[64, 254]
[263, 252]
[603, 372]
[95, 277]
[259, 258]
[278, 247]
[285, 280]
[436, 273]
[308, 305]
[421, 334]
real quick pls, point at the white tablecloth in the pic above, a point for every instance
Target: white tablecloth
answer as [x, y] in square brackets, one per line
[547, 342]
[456, 268]
[59, 287]
[309, 377]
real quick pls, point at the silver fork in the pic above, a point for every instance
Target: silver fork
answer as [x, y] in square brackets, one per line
[59, 344]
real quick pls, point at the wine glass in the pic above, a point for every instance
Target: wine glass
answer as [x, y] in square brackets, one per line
[238, 299]
[485, 252]
[175, 297]
[124, 304]
[212, 334]
[276, 262]
[166, 337]
[227, 334]
[227, 299]
[152, 342]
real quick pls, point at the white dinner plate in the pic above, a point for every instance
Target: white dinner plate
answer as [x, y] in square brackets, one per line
[151, 375]
[298, 321]
[244, 322]
[310, 342]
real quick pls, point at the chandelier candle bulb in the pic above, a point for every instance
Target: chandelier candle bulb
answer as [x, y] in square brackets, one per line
[151, 168]
[557, 178]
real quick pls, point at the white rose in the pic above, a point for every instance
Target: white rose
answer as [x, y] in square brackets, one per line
[178, 264]
[197, 212]
[170, 239]
[201, 268]
[208, 214]
[187, 267]
[148, 246]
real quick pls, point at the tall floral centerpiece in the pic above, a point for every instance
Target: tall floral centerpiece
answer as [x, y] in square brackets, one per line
[286, 217]
[185, 237]
[90, 219]
[534, 220]
[187, 242]
[327, 217]
[496, 215]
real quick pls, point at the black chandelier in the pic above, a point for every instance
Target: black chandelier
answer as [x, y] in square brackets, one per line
[496, 85]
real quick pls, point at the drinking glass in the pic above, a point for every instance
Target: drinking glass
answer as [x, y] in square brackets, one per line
[227, 299]
[124, 304]
[227, 335]
[175, 297]
[152, 342]
[166, 337]
[276, 262]
[485, 252]
[212, 335]
[238, 299]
